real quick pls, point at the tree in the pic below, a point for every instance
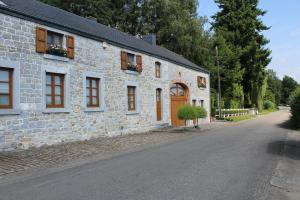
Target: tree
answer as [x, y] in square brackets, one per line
[240, 25]
[288, 87]
[273, 92]
[186, 112]
[295, 108]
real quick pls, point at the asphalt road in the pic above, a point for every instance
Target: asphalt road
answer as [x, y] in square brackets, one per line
[231, 163]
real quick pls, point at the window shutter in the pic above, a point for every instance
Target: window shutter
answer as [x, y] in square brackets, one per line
[41, 40]
[70, 46]
[139, 63]
[199, 81]
[124, 60]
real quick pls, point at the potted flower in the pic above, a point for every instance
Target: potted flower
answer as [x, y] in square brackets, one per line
[57, 50]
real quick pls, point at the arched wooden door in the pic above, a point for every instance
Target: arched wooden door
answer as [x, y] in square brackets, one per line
[179, 94]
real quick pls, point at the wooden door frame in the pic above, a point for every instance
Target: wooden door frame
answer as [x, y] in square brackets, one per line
[186, 97]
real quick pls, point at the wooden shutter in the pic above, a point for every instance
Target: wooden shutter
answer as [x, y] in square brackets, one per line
[139, 64]
[70, 46]
[124, 60]
[41, 40]
[199, 81]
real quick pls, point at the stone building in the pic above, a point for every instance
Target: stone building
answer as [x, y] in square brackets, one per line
[66, 78]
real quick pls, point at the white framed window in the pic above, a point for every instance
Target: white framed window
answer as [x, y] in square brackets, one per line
[9, 87]
[132, 98]
[93, 92]
[56, 90]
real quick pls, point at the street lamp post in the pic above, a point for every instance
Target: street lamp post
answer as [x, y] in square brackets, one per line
[219, 83]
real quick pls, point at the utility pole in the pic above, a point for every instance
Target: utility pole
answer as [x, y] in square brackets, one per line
[219, 83]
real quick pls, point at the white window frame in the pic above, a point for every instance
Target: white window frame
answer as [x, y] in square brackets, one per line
[137, 98]
[16, 110]
[101, 92]
[57, 70]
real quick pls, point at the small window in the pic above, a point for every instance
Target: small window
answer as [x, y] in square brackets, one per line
[92, 92]
[194, 102]
[54, 39]
[201, 82]
[6, 88]
[157, 70]
[131, 62]
[55, 90]
[177, 90]
[131, 93]
[202, 103]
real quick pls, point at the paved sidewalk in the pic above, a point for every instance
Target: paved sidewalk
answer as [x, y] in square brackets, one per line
[62, 154]
[286, 180]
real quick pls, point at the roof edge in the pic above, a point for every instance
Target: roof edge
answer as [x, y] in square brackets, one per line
[18, 14]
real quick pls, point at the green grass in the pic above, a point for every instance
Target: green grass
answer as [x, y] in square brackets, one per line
[239, 118]
[265, 112]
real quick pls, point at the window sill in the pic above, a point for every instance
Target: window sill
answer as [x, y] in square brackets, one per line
[132, 113]
[10, 112]
[53, 57]
[94, 110]
[131, 72]
[56, 110]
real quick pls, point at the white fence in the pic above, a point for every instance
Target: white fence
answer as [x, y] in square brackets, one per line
[235, 112]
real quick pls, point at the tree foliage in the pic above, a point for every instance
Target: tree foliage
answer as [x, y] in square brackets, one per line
[239, 23]
[288, 87]
[295, 107]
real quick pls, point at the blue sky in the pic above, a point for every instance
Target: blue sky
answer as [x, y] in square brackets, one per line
[284, 19]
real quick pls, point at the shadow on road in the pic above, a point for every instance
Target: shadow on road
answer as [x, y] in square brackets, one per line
[286, 148]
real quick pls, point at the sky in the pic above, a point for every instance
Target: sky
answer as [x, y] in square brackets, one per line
[284, 19]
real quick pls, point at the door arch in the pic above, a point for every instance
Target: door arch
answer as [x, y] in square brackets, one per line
[179, 93]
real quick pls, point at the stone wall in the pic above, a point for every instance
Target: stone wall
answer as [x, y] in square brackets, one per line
[33, 126]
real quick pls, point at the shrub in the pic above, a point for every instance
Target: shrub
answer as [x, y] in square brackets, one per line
[269, 105]
[295, 108]
[200, 112]
[186, 112]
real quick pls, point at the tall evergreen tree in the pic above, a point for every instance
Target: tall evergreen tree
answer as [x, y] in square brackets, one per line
[238, 21]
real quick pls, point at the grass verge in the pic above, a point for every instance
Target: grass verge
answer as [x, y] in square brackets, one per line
[265, 112]
[239, 118]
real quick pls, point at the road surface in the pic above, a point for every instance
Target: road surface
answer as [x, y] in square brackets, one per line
[231, 163]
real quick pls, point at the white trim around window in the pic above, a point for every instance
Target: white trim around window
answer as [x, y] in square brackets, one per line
[57, 70]
[137, 98]
[16, 110]
[101, 92]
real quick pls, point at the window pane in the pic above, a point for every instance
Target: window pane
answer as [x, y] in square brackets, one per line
[87, 92]
[173, 91]
[57, 80]
[87, 82]
[131, 59]
[87, 101]
[94, 100]
[94, 92]
[4, 75]
[180, 91]
[48, 100]
[48, 89]
[131, 105]
[57, 90]
[131, 97]
[94, 83]
[48, 79]
[4, 100]
[58, 100]
[4, 88]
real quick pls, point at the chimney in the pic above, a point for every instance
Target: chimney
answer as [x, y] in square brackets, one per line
[151, 39]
